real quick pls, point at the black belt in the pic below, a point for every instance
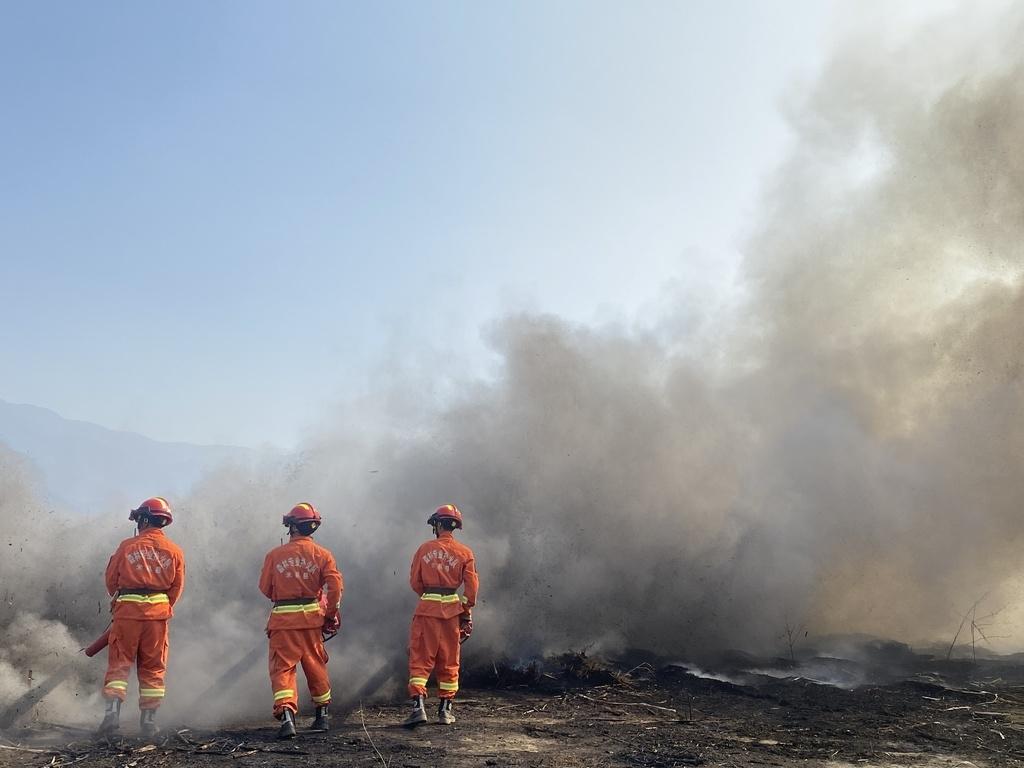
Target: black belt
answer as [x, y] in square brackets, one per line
[440, 590]
[140, 591]
[296, 601]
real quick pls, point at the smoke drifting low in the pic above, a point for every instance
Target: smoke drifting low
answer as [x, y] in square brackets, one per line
[847, 459]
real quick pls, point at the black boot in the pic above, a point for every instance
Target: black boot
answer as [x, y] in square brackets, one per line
[147, 723]
[418, 715]
[322, 721]
[287, 729]
[111, 718]
[444, 712]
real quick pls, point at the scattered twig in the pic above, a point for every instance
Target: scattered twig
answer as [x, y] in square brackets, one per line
[965, 690]
[643, 664]
[963, 621]
[627, 704]
[362, 721]
[181, 735]
[68, 762]
[27, 749]
[791, 634]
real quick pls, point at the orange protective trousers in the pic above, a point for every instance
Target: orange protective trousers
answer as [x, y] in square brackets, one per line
[145, 643]
[434, 644]
[288, 649]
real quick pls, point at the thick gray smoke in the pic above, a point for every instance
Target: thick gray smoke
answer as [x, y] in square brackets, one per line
[846, 457]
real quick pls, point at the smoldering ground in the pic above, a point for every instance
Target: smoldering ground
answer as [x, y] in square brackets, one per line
[842, 454]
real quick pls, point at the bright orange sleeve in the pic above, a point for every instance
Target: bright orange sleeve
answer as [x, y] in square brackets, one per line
[471, 581]
[267, 578]
[333, 586]
[174, 591]
[110, 576]
[415, 580]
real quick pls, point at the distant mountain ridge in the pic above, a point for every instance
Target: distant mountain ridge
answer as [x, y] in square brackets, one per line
[91, 468]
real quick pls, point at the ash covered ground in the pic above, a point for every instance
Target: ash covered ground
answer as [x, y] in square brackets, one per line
[889, 706]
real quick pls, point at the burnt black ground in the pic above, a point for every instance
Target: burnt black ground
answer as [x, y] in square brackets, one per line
[579, 713]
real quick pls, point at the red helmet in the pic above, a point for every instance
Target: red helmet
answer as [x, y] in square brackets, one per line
[156, 509]
[447, 512]
[302, 513]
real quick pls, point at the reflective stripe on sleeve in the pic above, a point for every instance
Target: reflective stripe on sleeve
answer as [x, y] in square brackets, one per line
[287, 693]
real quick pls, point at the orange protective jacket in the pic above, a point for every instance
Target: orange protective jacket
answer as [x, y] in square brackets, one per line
[299, 574]
[146, 575]
[439, 567]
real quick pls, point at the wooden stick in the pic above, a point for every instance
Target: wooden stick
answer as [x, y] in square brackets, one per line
[26, 749]
[362, 720]
[627, 704]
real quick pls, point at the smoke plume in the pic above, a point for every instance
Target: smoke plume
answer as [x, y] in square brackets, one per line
[844, 457]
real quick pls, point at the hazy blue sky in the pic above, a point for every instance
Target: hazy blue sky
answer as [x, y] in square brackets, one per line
[217, 219]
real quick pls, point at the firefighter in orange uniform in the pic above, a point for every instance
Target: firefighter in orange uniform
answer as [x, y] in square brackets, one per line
[303, 580]
[443, 620]
[145, 576]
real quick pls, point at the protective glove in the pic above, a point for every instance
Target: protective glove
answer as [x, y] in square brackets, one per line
[331, 626]
[465, 627]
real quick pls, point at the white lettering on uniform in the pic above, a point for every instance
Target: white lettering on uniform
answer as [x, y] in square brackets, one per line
[297, 567]
[441, 560]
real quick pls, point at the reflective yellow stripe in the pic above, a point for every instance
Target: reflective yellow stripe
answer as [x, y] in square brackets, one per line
[448, 686]
[150, 599]
[285, 694]
[153, 693]
[435, 598]
[322, 697]
[311, 608]
[464, 599]
[118, 685]
[417, 681]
